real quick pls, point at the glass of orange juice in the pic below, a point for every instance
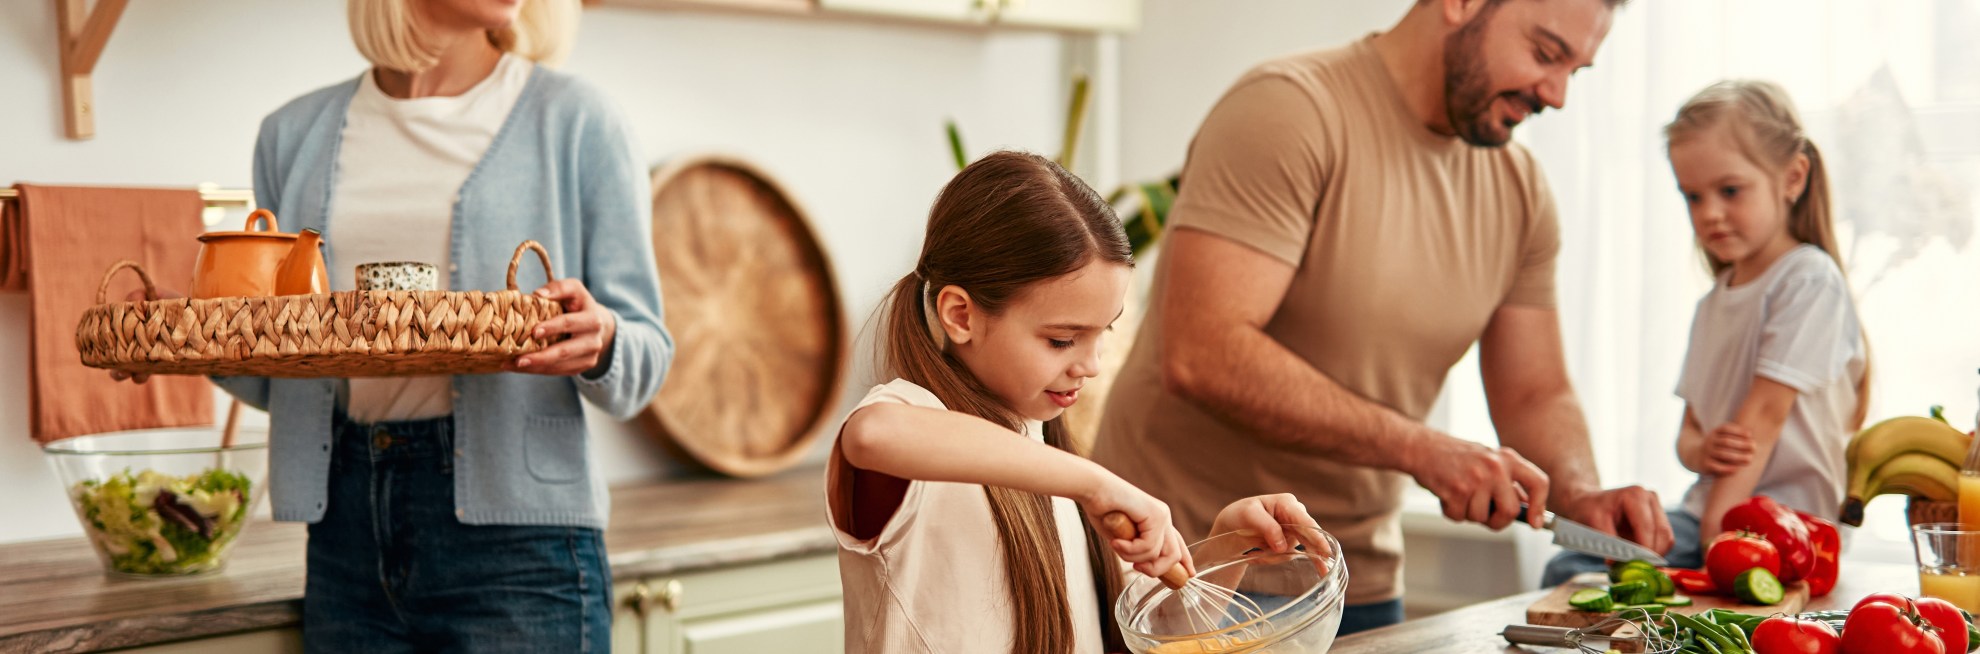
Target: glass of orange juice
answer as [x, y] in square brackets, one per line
[1948, 566]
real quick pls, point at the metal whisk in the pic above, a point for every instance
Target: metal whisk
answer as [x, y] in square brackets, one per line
[1225, 618]
[1650, 638]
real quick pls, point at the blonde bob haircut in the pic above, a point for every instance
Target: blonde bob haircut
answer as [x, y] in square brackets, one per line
[389, 35]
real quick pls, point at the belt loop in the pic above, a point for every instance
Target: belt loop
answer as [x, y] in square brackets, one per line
[443, 429]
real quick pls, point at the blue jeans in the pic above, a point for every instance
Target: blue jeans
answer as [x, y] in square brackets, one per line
[1685, 552]
[392, 570]
[1363, 617]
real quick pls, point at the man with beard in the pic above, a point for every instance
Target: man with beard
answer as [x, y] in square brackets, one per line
[1351, 221]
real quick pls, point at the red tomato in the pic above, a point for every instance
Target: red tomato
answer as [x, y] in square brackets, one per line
[1945, 616]
[1791, 635]
[1878, 627]
[1904, 604]
[1735, 552]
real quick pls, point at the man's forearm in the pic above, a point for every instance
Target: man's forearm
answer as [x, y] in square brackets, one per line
[1551, 431]
[1255, 382]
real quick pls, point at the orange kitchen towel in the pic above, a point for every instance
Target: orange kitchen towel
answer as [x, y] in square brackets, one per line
[72, 235]
[13, 248]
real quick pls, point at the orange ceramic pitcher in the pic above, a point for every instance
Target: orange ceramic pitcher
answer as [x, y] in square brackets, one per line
[259, 261]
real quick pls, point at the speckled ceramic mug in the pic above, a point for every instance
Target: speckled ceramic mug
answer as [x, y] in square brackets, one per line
[398, 276]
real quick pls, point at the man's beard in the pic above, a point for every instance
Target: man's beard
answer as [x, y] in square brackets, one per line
[1468, 95]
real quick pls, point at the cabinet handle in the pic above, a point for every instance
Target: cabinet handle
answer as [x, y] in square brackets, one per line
[667, 597]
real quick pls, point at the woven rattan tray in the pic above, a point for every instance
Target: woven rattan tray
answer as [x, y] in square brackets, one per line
[340, 334]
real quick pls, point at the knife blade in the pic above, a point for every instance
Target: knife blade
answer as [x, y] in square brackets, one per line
[1576, 537]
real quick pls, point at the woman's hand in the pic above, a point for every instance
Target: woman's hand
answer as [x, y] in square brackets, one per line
[1156, 545]
[1265, 518]
[587, 328]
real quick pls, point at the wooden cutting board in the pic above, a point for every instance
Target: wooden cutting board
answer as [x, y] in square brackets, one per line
[755, 313]
[1553, 610]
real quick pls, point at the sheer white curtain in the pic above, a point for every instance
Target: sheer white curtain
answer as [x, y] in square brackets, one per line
[1891, 93]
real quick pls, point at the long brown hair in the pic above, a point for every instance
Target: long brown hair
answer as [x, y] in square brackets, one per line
[1008, 221]
[1761, 119]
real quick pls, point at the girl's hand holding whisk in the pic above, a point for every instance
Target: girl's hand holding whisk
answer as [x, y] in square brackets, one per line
[1157, 546]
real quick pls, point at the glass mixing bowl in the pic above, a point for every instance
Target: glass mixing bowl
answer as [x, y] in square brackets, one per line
[1262, 602]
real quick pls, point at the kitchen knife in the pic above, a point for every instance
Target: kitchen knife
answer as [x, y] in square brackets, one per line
[1576, 537]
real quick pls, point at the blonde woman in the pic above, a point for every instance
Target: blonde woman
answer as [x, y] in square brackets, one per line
[462, 513]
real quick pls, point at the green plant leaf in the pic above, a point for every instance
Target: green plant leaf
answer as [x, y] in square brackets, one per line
[956, 144]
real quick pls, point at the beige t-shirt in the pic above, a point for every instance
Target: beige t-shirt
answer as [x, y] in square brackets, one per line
[1405, 243]
[933, 580]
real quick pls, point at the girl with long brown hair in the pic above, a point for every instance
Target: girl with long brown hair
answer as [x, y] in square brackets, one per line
[964, 521]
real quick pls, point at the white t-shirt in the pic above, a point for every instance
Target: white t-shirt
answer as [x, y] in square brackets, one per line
[1796, 325]
[933, 580]
[399, 174]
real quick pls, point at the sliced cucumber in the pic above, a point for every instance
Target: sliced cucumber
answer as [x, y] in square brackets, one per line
[1591, 599]
[1674, 600]
[1665, 585]
[1632, 592]
[1757, 586]
[1616, 569]
[1645, 575]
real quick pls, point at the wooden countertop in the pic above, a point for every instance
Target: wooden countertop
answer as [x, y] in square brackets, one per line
[1475, 629]
[55, 597]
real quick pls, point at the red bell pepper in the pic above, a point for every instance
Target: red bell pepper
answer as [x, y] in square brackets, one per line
[1827, 543]
[1780, 526]
[1691, 582]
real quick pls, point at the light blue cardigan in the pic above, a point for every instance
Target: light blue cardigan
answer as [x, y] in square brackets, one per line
[560, 171]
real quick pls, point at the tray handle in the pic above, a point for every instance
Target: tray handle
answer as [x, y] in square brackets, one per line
[516, 260]
[151, 290]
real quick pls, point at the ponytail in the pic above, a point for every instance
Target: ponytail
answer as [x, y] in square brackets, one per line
[1764, 123]
[1004, 223]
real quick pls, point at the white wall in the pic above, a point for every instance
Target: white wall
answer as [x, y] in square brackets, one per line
[1188, 52]
[847, 114]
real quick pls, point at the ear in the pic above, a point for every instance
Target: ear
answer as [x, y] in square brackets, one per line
[1457, 13]
[1797, 178]
[953, 308]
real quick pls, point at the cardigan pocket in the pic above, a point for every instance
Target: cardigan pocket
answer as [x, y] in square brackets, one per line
[554, 448]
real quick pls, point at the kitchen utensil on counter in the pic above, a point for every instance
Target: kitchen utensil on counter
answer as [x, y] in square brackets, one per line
[162, 502]
[340, 334]
[1230, 618]
[752, 303]
[398, 276]
[1642, 629]
[1554, 610]
[259, 262]
[1299, 594]
[1576, 537]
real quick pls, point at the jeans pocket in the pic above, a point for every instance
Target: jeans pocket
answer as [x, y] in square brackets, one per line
[554, 449]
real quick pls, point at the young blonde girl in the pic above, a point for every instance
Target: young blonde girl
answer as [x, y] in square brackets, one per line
[1776, 377]
[964, 522]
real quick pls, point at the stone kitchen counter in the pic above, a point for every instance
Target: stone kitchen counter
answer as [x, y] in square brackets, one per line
[55, 597]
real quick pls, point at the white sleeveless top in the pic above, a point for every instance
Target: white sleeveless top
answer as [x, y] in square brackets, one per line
[933, 580]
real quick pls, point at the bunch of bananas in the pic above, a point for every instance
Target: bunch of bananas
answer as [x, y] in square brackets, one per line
[1911, 455]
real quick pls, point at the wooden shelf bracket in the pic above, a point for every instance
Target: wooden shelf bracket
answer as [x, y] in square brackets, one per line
[81, 34]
